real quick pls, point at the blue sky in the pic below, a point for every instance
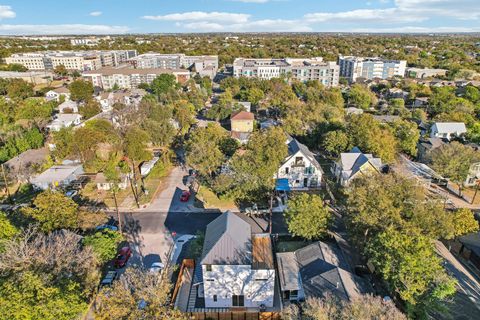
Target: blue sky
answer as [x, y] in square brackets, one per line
[157, 16]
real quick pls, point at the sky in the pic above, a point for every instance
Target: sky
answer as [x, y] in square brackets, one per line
[18, 17]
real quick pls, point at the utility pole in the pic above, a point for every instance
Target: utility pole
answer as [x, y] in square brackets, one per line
[116, 208]
[9, 197]
[271, 213]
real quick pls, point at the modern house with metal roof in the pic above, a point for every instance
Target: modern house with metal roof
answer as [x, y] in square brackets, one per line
[300, 170]
[354, 163]
[316, 271]
[447, 130]
[237, 266]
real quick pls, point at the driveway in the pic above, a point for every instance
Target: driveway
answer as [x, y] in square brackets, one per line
[168, 197]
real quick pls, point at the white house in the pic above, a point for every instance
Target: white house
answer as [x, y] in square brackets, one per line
[237, 267]
[103, 184]
[57, 177]
[447, 130]
[55, 94]
[147, 166]
[64, 120]
[127, 97]
[300, 168]
[355, 163]
[68, 107]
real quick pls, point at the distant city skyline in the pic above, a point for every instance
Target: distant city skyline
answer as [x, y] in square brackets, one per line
[48, 17]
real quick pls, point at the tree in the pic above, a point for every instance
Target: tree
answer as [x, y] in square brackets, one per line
[408, 262]
[46, 276]
[81, 90]
[203, 149]
[60, 70]
[135, 148]
[407, 135]
[255, 169]
[464, 222]
[140, 295]
[361, 97]
[364, 307]
[63, 141]
[307, 217]
[163, 83]
[335, 142]
[453, 161]
[367, 134]
[104, 244]
[53, 210]
[90, 109]
[19, 89]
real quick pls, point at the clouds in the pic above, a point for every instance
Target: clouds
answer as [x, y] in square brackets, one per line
[6, 12]
[95, 13]
[203, 17]
[60, 29]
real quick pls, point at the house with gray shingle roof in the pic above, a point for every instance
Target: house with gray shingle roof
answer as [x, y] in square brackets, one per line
[354, 163]
[237, 267]
[316, 271]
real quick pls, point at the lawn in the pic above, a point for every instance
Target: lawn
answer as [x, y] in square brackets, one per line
[211, 201]
[289, 246]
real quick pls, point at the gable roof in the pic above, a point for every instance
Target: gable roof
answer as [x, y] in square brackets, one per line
[294, 147]
[324, 270]
[227, 241]
[449, 127]
[61, 90]
[353, 161]
[243, 115]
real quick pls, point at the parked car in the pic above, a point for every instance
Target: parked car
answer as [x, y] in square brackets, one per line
[157, 267]
[109, 278]
[106, 227]
[71, 193]
[185, 196]
[122, 257]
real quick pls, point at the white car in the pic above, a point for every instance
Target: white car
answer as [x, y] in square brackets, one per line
[157, 267]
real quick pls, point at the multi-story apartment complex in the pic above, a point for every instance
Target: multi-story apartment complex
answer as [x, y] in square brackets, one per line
[128, 78]
[369, 68]
[204, 65]
[300, 69]
[72, 60]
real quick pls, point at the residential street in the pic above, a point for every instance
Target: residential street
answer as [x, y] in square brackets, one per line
[149, 230]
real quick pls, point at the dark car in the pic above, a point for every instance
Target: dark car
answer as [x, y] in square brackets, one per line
[109, 278]
[122, 257]
[185, 196]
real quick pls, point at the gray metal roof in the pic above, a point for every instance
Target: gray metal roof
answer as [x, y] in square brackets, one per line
[227, 241]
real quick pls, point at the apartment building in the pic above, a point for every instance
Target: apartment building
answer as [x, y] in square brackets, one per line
[300, 69]
[72, 60]
[370, 68]
[128, 78]
[204, 65]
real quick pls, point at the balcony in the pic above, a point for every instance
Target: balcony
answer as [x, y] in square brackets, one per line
[297, 164]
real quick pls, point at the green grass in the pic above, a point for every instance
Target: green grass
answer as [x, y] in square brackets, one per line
[289, 246]
[211, 201]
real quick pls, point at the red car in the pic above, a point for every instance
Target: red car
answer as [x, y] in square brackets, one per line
[185, 196]
[122, 257]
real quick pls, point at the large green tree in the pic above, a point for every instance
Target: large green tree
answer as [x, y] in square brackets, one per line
[53, 210]
[81, 90]
[307, 216]
[104, 244]
[453, 161]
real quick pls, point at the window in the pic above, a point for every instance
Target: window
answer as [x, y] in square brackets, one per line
[238, 301]
[208, 267]
[214, 298]
[287, 170]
